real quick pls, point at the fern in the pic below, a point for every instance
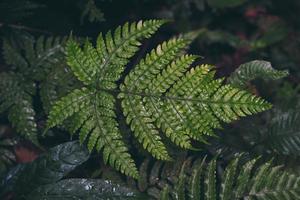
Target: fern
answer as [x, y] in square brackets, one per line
[91, 11]
[278, 134]
[239, 181]
[16, 97]
[57, 84]
[38, 58]
[7, 158]
[96, 68]
[160, 93]
[283, 134]
[252, 70]
[157, 95]
[31, 60]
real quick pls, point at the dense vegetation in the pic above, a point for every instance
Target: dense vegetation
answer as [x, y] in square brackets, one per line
[171, 99]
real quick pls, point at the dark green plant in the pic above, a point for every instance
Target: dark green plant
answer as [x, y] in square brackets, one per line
[254, 70]
[14, 10]
[7, 158]
[48, 168]
[238, 181]
[42, 179]
[283, 133]
[31, 61]
[160, 93]
[78, 189]
[91, 12]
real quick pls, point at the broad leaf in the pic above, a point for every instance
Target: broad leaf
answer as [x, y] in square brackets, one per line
[78, 189]
[48, 168]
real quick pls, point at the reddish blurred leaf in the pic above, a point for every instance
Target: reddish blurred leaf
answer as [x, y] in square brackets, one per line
[25, 154]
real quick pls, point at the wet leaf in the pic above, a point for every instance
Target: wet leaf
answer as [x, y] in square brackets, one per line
[48, 168]
[95, 189]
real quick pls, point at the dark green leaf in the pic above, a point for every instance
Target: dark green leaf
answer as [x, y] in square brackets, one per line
[47, 169]
[84, 189]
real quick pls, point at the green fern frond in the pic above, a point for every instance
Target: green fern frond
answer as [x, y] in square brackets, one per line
[16, 98]
[161, 94]
[32, 61]
[239, 181]
[34, 58]
[255, 69]
[283, 134]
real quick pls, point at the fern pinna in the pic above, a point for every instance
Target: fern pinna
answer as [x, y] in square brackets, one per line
[160, 93]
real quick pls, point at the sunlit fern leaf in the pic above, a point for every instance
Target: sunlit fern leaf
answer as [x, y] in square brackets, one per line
[252, 70]
[94, 109]
[16, 99]
[34, 58]
[161, 94]
[184, 104]
[283, 134]
[241, 181]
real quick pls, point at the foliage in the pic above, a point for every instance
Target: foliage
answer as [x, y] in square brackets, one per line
[16, 98]
[41, 179]
[31, 61]
[239, 181]
[224, 3]
[7, 158]
[14, 10]
[283, 133]
[160, 93]
[48, 168]
[91, 11]
[253, 70]
[85, 189]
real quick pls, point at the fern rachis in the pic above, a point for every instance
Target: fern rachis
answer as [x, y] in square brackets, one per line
[160, 93]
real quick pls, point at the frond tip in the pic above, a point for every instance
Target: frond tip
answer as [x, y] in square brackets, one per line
[255, 69]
